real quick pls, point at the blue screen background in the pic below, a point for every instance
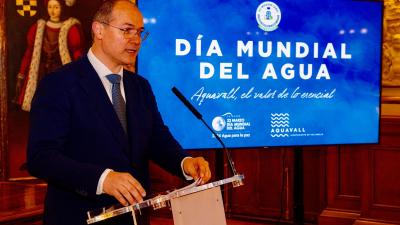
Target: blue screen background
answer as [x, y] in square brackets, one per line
[350, 116]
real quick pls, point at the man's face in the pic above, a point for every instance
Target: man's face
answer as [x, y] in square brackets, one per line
[122, 49]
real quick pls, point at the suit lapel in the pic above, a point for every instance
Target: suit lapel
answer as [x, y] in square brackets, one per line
[132, 108]
[102, 105]
[138, 119]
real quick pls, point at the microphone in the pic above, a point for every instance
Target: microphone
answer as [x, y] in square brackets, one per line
[187, 103]
[198, 115]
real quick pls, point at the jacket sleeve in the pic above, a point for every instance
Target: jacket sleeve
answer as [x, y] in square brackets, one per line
[48, 139]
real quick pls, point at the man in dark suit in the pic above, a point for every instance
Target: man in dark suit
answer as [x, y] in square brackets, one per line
[95, 126]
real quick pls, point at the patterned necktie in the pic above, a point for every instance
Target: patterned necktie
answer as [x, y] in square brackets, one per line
[117, 99]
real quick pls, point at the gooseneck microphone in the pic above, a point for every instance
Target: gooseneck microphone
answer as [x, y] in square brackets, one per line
[190, 107]
[200, 117]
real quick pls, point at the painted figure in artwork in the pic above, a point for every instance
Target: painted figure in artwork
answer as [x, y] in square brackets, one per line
[391, 44]
[51, 42]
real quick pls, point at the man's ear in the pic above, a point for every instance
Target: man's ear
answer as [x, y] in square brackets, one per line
[97, 29]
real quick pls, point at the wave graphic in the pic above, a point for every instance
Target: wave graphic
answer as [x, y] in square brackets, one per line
[280, 125]
[279, 122]
[279, 114]
[280, 118]
[279, 135]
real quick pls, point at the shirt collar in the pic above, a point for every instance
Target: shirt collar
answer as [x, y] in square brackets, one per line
[101, 69]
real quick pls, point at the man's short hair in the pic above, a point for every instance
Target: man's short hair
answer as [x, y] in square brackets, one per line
[103, 14]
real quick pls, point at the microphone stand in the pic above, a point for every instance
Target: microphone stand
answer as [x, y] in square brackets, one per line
[228, 154]
[197, 114]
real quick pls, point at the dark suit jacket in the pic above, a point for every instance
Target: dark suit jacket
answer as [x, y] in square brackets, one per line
[75, 135]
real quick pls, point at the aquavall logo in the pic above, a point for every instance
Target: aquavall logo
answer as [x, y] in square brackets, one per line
[280, 126]
[279, 121]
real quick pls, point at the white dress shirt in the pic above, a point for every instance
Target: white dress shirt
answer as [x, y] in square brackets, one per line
[102, 70]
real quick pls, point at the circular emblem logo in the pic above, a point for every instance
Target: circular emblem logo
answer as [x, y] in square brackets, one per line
[268, 16]
[218, 123]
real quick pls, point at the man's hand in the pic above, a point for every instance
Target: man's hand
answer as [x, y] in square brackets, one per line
[197, 168]
[126, 189]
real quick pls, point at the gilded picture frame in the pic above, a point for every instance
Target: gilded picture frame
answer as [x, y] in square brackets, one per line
[391, 52]
[17, 19]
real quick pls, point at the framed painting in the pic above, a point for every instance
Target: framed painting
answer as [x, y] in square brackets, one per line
[36, 37]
